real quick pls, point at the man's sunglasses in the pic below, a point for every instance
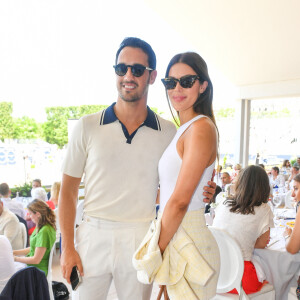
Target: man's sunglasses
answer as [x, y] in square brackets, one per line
[186, 81]
[137, 70]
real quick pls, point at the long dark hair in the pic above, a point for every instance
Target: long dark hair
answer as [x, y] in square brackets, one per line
[203, 104]
[251, 189]
[47, 214]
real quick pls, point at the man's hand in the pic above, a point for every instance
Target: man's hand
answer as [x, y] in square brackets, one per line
[209, 191]
[69, 259]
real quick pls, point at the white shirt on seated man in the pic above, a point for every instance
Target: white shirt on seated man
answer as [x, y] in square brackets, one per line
[12, 204]
[276, 179]
[7, 265]
[10, 227]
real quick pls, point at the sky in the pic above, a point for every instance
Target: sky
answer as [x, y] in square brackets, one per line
[61, 53]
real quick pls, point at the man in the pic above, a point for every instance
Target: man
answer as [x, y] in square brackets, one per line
[36, 183]
[10, 227]
[276, 179]
[294, 172]
[12, 204]
[297, 163]
[118, 149]
[225, 178]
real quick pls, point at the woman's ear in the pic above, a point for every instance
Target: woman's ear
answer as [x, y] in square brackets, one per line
[203, 87]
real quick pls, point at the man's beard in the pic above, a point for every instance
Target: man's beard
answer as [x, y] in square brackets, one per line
[129, 97]
[132, 97]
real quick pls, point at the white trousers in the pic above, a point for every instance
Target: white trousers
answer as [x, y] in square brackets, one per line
[106, 249]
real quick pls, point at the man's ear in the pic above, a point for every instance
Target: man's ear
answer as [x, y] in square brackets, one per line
[153, 75]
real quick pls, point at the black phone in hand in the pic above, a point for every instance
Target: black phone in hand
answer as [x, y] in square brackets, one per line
[75, 278]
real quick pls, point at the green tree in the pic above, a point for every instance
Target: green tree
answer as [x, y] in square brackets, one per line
[223, 113]
[26, 128]
[6, 120]
[55, 129]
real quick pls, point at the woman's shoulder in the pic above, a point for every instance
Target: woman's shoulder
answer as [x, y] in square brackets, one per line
[202, 128]
[203, 122]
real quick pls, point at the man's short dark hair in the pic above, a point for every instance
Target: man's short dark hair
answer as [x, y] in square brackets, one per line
[37, 180]
[276, 169]
[296, 168]
[144, 46]
[4, 189]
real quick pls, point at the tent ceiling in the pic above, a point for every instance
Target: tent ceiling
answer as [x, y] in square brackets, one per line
[251, 42]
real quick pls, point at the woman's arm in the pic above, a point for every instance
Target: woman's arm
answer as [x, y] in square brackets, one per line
[24, 251]
[263, 240]
[293, 245]
[198, 148]
[33, 260]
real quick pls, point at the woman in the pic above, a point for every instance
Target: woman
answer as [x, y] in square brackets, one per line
[53, 201]
[248, 219]
[286, 167]
[42, 239]
[293, 244]
[188, 163]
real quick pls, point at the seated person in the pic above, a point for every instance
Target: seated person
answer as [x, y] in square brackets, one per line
[7, 265]
[55, 188]
[38, 193]
[213, 199]
[12, 204]
[293, 243]
[36, 183]
[10, 227]
[247, 217]
[297, 163]
[41, 194]
[286, 167]
[294, 172]
[236, 170]
[225, 178]
[276, 179]
[42, 239]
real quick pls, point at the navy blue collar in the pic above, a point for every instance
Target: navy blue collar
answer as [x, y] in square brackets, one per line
[108, 116]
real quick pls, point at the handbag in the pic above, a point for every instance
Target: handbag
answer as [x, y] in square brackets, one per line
[60, 291]
[163, 290]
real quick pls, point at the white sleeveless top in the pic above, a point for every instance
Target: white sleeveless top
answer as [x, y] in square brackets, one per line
[169, 167]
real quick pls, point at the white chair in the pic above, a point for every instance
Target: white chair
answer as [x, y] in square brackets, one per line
[23, 234]
[221, 197]
[49, 276]
[232, 269]
[208, 219]
[79, 212]
[57, 225]
[292, 293]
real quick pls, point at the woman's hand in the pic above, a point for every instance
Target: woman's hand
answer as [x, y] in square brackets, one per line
[287, 232]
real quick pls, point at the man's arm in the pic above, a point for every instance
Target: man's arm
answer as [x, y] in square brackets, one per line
[67, 212]
[11, 230]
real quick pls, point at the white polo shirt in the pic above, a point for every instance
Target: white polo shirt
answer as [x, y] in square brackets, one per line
[121, 170]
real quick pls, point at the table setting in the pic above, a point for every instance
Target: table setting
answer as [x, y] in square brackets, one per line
[280, 267]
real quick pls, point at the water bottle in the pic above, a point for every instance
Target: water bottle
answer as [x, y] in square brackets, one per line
[275, 189]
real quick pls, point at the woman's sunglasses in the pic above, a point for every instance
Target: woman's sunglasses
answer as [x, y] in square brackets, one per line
[137, 70]
[186, 81]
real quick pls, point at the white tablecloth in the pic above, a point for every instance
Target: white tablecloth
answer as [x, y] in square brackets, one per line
[281, 268]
